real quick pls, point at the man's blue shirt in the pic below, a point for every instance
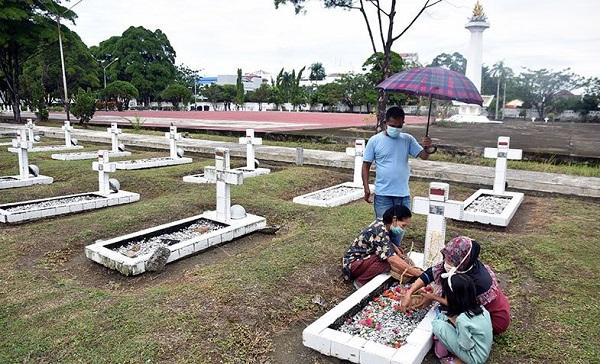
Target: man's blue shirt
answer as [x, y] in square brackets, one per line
[391, 162]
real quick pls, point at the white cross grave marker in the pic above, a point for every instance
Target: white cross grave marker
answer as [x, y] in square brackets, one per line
[173, 137]
[250, 142]
[67, 129]
[437, 208]
[357, 152]
[22, 143]
[224, 177]
[114, 136]
[30, 125]
[104, 167]
[502, 153]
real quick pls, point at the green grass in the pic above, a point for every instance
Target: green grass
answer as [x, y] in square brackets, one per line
[230, 303]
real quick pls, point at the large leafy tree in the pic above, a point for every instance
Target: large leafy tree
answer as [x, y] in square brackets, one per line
[213, 93]
[177, 94]
[43, 69]
[382, 31]
[261, 95]
[317, 72]
[540, 87]
[228, 95]
[145, 58]
[455, 62]
[121, 92]
[23, 26]
[84, 106]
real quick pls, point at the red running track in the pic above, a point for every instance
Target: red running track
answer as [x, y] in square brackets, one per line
[290, 120]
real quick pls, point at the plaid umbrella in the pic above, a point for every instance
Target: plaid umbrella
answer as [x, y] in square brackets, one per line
[435, 82]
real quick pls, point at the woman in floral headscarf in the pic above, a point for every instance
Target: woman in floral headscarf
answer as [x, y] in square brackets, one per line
[461, 255]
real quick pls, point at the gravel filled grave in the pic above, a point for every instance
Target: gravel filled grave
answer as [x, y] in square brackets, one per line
[149, 244]
[53, 203]
[135, 161]
[332, 193]
[382, 321]
[489, 204]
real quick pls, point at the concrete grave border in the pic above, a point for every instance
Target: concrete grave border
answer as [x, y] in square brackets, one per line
[133, 266]
[321, 337]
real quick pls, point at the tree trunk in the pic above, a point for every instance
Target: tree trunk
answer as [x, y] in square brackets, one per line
[497, 98]
[16, 85]
[382, 98]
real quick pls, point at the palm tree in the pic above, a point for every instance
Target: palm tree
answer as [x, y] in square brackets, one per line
[497, 72]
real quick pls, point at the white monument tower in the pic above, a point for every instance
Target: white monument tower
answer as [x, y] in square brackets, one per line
[476, 25]
[468, 113]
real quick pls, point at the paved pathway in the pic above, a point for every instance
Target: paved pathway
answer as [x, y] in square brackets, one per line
[443, 171]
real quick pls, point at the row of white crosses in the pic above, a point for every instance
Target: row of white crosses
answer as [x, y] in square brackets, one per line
[357, 152]
[437, 208]
[173, 137]
[22, 143]
[502, 153]
[104, 167]
[250, 141]
[224, 177]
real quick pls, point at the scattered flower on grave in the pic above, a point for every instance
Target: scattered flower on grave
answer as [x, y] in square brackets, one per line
[382, 319]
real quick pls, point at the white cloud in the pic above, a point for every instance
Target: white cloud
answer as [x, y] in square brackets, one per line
[222, 35]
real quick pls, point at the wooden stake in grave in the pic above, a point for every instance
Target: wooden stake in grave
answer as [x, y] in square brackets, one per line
[22, 143]
[67, 128]
[173, 137]
[114, 137]
[250, 142]
[357, 152]
[502, 153]
[104, 167]
[224, 177]
[437, 208]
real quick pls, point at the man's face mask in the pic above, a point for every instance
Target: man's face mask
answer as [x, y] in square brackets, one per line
[393, 132]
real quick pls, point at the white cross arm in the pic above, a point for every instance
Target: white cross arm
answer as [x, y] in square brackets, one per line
[21, 143]
[229, 177]
[354, 152]
[104, 167]
[450, 209]
[510, 153]
[248, 140]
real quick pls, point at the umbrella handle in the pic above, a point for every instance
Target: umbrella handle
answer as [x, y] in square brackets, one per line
[432, 149]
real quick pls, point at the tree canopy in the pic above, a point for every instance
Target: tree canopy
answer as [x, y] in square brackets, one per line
[176, 93]
[455, 62]
[145, 59]
[317, 72]
[24, 26]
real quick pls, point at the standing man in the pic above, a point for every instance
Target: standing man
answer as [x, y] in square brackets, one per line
[390, 150]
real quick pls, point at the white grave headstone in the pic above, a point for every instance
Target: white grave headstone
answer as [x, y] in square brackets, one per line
[533, 119]
[502, 153]
[546, 120]
[30, 126]
[250, 142]
[437, 208]
[67, 128]
[22, 143]
[114, 137]
[173, 137]
[104, 167]
[224, 177]
[357, 152]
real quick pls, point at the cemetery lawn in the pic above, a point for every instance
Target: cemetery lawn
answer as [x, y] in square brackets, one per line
[247, 301]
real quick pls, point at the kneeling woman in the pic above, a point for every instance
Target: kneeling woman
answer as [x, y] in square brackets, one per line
[461, 255]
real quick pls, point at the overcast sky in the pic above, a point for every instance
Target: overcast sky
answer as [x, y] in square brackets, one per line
[222, 35]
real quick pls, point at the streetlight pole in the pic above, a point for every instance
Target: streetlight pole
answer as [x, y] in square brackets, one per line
[104, 71]
[62, 61]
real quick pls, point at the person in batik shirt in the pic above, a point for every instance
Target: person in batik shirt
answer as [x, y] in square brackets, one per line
[373, 253]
